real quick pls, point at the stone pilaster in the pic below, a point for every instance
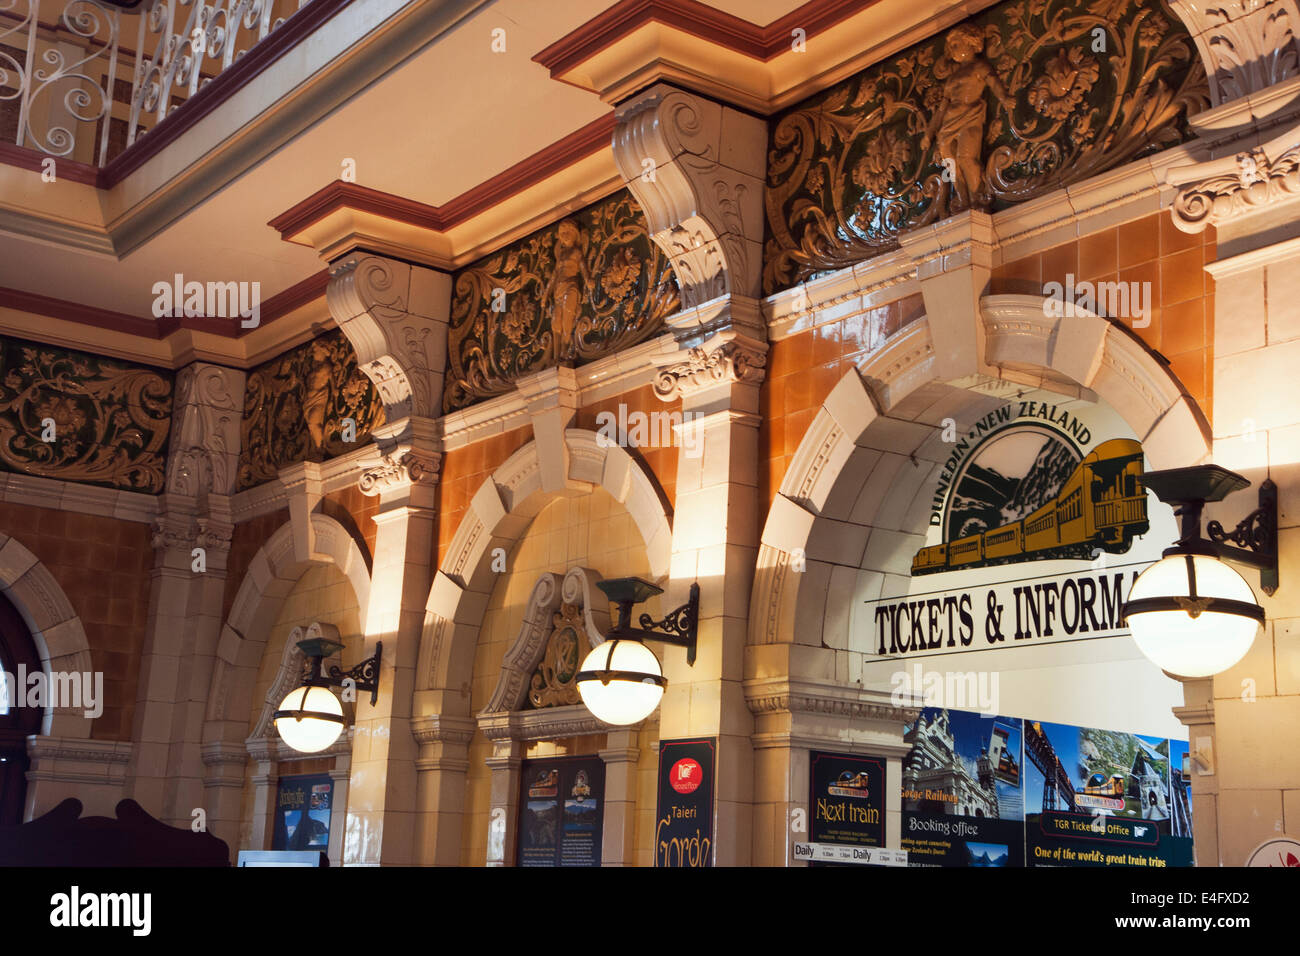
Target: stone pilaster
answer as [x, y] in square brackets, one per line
[440, 786]
[715, 543]
[192, 540]
[620, 756]
[381, 824]
[1242, 718]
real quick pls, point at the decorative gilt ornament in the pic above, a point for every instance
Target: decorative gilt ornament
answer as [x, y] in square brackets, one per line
[81, 417]
[552, 683]
[295, 407]
[1023, 99]
[587, 286]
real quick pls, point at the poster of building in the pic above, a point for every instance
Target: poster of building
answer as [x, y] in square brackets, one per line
[302, 813]
[561, 810]
[1104, 798]
[963, 802]
[684, 817]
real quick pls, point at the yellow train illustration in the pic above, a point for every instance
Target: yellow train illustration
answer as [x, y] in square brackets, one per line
[1101, 505]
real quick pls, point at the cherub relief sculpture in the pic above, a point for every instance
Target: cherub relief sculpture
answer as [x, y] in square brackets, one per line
[316, 401]
[960, 118]
[564, 289]
[586, 286]
[1019, 100]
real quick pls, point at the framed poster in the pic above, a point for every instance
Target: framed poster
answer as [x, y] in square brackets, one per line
[561, 812]
[684, 820]
[302, 812]
[963, 790]
[846, 803]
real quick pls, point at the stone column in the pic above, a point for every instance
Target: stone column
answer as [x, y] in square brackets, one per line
[192, 538]
[696, 167]
[340, 775]
[440, 786]
[715, 543]
[1247, 789]
[503, 802]
[395, 315]
[620, 755]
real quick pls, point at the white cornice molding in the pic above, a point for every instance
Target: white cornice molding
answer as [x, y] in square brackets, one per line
[77, 498]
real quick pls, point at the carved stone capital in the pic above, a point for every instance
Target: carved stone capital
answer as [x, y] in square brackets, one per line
[439, 728]
[1246, 45]
[1231, 187]
[696, 168]
[734, 360]
[183, 528]
[400, 468]
[395, 315]
[205, 443]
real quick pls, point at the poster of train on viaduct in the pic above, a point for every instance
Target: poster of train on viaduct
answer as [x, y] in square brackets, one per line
[995, 791]
[1036, 525]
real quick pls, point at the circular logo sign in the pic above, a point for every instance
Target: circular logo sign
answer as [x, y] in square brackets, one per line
[686, 775]
[1280, 852]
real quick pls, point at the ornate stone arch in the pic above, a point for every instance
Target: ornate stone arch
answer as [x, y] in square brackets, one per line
[498, 515]
[271, 575]
[55, 627]
[891, 407]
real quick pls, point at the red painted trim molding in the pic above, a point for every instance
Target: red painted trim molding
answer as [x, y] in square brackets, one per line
[578, 145]
[697, 19]
[34, 159]
[276, 307]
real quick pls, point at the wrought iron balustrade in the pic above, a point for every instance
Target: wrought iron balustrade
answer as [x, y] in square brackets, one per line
[72, 85]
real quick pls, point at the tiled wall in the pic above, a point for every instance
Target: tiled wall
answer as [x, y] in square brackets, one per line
[248, 537]
[323, 594]
[463, 472]
[102, 565]
[802, 370]
[1145, 250]
[592, 531]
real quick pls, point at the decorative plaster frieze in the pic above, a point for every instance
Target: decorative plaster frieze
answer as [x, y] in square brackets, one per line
[696, 168]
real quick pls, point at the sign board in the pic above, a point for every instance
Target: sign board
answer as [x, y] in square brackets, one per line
[561, 812]
[846, 802]
[302, 812]
[861, 855]
[684, 820]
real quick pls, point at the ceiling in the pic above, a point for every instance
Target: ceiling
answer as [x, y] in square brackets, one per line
[434, 125]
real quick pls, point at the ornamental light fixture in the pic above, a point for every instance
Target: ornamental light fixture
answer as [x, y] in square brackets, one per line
[311, 717]
[1190, 613]
[621, 681]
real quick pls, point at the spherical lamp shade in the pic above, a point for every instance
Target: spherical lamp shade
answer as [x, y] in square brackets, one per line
[1192, 615]
[310, 719]
[621, 682]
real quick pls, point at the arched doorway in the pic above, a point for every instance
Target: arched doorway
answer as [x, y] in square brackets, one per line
[17, 651]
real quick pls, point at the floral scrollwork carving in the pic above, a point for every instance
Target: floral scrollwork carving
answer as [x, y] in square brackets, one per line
[732, 361]
[589, 285]
[1022, 99]
[81, 417]
[1255, 183]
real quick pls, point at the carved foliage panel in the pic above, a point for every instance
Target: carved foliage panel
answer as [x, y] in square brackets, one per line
[81, 417]
[1020, 100]
[296, 407]
[586, 286]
